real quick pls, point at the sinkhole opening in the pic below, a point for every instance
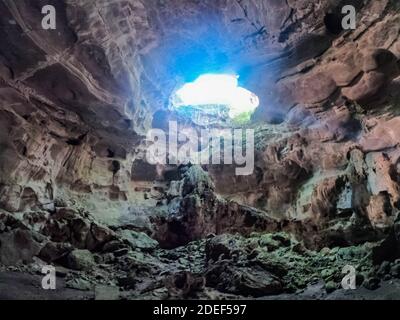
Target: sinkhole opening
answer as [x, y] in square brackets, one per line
[217, 95]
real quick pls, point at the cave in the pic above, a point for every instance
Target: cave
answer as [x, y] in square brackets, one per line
[213, 150]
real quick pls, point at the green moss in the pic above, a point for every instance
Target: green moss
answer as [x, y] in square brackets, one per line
[331, 286]
[281, 254]
[242, 119]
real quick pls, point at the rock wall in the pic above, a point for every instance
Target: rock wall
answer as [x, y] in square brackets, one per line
[77, 101]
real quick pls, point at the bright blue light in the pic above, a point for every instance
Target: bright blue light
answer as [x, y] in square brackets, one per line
[218, 89]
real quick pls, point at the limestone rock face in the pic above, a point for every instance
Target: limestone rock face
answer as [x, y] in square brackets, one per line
[197, 212]
[76, 103]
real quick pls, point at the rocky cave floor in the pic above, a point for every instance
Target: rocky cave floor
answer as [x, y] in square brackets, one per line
[262, 266]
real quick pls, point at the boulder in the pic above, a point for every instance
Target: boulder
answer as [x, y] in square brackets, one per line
[138, 240]
[247, 281]
[18, 246]
[52, 251]
[80, 260]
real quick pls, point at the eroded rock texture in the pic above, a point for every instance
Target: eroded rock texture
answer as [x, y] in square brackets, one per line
[76, 103]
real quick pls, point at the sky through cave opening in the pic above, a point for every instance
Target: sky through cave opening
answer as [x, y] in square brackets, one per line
[213, 91]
